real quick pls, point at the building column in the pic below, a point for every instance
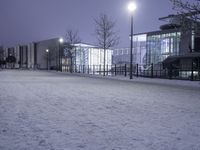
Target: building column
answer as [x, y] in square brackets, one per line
[6, 53]
[32, 55]
[17, 56]
[35, 55]
[29, 56]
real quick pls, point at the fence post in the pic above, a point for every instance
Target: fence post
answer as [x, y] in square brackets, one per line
[152, 70]
[71, 68]
[107, 69]
[198, 69]
[170, 72]
[88, 69]
[125, 71]
[160, 70]
[99, 69]
[75, 68]
[192, 73]
[137, 70]
[119, 70]
[83, 68]
[115, 69]
[111, 70]
[93, 69]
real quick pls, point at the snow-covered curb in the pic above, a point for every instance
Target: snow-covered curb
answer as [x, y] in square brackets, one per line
[156, 81]
[139, 80]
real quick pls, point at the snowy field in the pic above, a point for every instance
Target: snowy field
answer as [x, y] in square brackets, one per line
[54, 111]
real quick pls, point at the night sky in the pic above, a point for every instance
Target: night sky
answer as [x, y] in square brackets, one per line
[23, 21]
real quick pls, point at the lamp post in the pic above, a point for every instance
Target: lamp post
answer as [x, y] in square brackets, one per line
[60, 41]
[47, 51]
[131, 7]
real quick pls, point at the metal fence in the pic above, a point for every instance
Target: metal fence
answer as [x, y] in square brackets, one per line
[150, 71]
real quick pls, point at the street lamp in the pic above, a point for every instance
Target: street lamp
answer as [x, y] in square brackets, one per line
[60, 41]
[47, 51]
[131, 7]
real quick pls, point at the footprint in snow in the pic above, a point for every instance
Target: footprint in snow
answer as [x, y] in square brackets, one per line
[81, 146]
[42, 143]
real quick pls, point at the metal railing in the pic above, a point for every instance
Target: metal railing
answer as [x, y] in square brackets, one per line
[149, 71]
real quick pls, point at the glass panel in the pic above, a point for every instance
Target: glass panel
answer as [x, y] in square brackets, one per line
[159, 47]
[139, 49]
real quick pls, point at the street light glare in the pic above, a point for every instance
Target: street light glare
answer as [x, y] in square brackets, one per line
[47, 50]
[132, 6]
[61, 40]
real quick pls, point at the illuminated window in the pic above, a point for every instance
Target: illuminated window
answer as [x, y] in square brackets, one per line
[165, 45]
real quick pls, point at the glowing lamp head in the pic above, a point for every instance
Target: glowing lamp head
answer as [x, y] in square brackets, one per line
[132, 7]
[47, 50]
[61, 40]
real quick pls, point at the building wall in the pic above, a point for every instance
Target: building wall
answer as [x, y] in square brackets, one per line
[155, 47]
[6, 52]
[31, 56]
[17, 56]
[121, 55]
[162, 44]
[35, 56]
[91, 55]
[23, 56]
[2, 53]
[52, 45]
[186, 42]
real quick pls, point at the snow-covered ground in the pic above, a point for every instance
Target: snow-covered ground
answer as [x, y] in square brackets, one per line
[55, 111]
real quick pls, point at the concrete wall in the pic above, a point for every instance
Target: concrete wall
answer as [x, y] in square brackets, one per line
[17, 56]
[34, 56]
[185, 43]
[52, 45]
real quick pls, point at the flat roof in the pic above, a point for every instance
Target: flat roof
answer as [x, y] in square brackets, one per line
[158, 32]
[171, 59]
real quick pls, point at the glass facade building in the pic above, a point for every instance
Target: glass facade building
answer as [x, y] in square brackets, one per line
[161, 45]
[150, 48]
[122, 55]
[139, 49]
[85, 57]
[91, 55]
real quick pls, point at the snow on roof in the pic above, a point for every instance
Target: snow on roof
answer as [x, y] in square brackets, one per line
[85, 45]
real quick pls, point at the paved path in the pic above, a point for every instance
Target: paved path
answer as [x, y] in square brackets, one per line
[53, 111]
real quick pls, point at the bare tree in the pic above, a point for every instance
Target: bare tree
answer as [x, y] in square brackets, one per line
[106, 34]
[72, 37]
[1, 53]
[188, 13]
[2, 61]
[191, 8]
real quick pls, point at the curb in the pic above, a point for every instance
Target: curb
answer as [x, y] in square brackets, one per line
[140, 80]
